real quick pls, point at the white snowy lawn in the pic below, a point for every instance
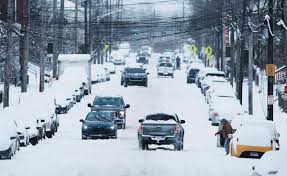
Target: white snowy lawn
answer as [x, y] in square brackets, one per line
[66, 154]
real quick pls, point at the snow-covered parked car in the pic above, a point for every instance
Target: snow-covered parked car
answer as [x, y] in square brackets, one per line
[9, 139]
[44, 108]
[23, 128]
[272, 163]
[218, 110]
[254, 138]
[202, 73]
[119, 60]
[192, 71]
[111, 67]
[209, 81]
[219, 90]
[99, 73]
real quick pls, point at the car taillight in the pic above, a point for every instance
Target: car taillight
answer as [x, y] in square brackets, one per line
[140, 129]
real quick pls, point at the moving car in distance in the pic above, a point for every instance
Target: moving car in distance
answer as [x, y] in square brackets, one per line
[134, 76]
[165, 69]
[161, 129]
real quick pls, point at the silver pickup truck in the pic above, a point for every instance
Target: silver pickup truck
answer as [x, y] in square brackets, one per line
[161, 129]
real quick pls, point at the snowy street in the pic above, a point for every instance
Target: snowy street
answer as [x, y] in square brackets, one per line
[67, 154]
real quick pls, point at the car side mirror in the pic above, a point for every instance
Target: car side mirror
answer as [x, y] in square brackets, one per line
[127, 106]
[278, 135]
[68, 99]
[253, 167]
[89, 105]
[141, 120]
[147, 73]
[82, 120]
[27, 128]
[42, 120]
[182, 121]
[13, 137]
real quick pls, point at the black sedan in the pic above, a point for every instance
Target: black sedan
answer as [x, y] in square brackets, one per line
[99, 124]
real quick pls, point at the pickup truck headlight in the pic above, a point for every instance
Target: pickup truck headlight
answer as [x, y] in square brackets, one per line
[122, 113]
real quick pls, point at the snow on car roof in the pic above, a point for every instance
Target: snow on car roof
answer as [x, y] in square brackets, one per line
[73, 57]
[159, 122]
[253, 136]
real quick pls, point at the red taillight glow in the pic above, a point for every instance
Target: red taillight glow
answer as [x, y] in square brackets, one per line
[141, 129]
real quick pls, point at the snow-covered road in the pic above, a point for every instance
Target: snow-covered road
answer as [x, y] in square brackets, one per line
[66, 154]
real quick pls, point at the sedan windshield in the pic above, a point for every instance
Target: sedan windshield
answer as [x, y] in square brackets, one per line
[108, 101]
[135, 70]
[100, 116]
[159, 117]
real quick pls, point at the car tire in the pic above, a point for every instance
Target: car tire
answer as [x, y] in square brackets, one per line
[122, 82]
[172, 76]
[34, 141]
[143, 145]
[125, 84]
[146, 85]
[123, 126]
[49, 134]
[84, 137]
[177, 146]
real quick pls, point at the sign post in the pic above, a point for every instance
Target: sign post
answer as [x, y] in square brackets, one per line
[270, 73]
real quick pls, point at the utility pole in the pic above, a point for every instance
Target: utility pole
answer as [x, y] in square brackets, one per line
[270, 96]
[250, 73]
[61, 27]
[242, 50]
[55, 38]
[86, 26]
[223, 42]
[43, 14]
[76, 25]
[284, 18]
[24, 47]
[218, 50]
[232, 49]
[7, 66]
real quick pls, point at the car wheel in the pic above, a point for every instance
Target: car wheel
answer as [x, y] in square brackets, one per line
[49, 134]
[172, 76]
[122, 82]
[143, 145]
[34, 141]
[84, 137]
[123, 126]
[177, 146]
[125, 84]
[146, 84]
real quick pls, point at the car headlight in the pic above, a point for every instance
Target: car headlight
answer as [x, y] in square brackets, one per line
[112, 127]
[85, 127]
[122, 113]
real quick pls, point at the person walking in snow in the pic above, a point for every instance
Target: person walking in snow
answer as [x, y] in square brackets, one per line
[225, 132]
[177, 62]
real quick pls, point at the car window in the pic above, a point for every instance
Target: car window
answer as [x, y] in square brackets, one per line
[165, 65]
[135, 70]
[100, 116]
[108, 101]
[159, 117]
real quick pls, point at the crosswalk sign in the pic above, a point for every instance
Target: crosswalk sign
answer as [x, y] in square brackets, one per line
[193, 50]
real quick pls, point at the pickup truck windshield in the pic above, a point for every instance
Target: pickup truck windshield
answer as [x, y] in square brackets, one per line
[108, 101]
[100, 116]
[157, 117]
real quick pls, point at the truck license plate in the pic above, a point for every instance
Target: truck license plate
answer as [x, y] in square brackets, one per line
[254, 154]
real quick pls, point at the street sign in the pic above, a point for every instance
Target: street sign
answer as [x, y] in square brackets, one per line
[270, 69]
[270, 99]
[193, 50]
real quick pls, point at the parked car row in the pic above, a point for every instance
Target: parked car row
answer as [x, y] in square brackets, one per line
[101, 73]
[39, 121]
[251, 135]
